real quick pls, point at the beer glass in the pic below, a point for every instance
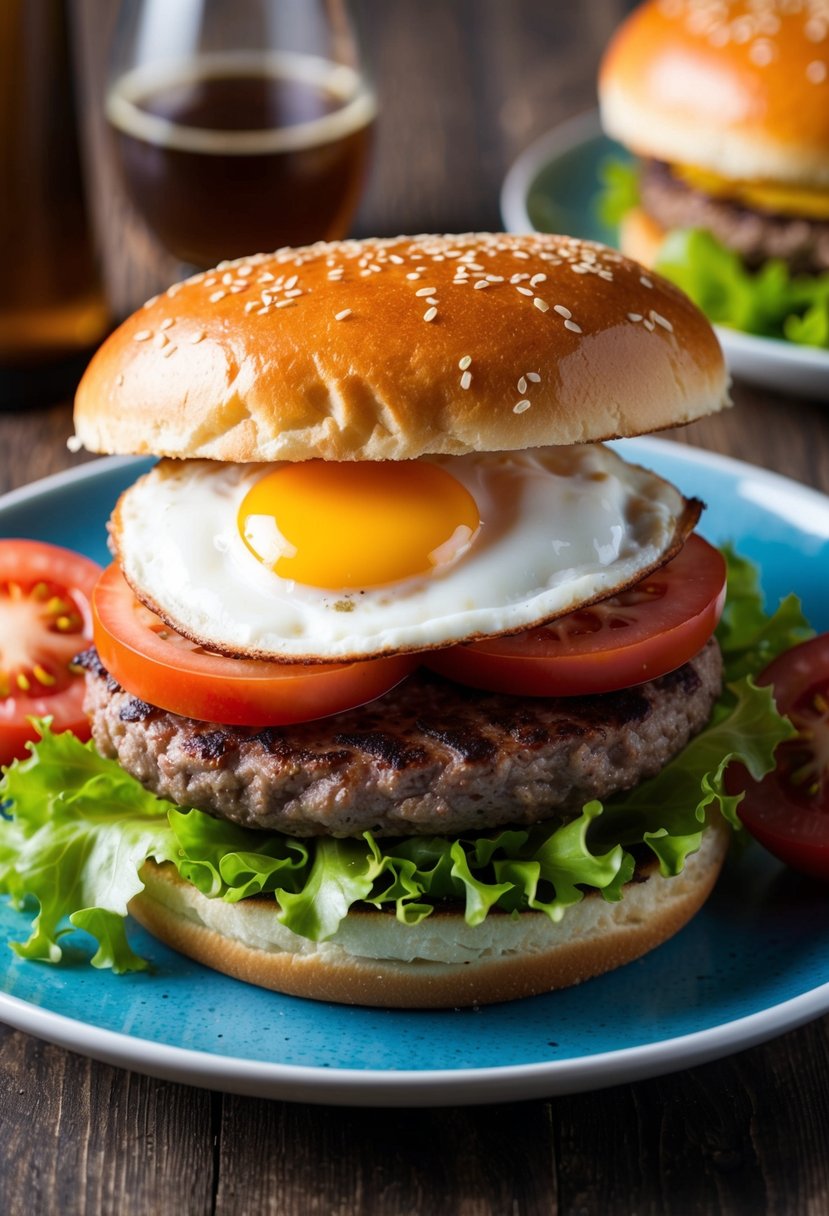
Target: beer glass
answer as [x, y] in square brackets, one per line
[52, 305]
[240, 125]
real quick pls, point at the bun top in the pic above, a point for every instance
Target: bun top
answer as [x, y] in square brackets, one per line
[739, 87]
[392, 349]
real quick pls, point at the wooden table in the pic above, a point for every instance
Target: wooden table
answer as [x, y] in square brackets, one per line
[464, 86]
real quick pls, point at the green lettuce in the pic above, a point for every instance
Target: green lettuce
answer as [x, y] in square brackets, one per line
[77, 829]
[770, 302]
[619, 192]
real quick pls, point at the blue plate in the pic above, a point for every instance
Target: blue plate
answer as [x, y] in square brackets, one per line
[753, 963]
[553, 187]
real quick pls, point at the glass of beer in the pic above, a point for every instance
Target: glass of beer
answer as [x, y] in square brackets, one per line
[240, 125]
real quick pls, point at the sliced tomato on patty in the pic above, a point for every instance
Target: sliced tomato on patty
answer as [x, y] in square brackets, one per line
[788, 811]
[159, 666]
[641, 633]
[45, 620]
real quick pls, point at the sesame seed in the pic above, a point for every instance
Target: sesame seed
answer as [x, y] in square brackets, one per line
[285, 303]
[413, 275]
[525, 291]
[538, 278]
[119, 379]
[216, 296]
[522, 385]
[521, 407]
[634, 316]
[426, 291]
[149, 303]
[160, 340]
[562, 311]
[143, 335]
[430, 314]
[816, 72]
[197, 337]
[166, 323]
[169, 350]
[291, 282]
[645, 281]
[464, 363]
[244, 271]
[663, 321]
[520, 253]
[297, 291]
[342, 314]
[571, 325]
[398, 261]
[534, 377]
[541, 305]
[466, 379]
[481, 283]
[648, 324]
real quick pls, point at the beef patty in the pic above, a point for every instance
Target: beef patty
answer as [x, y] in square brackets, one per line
[429, 757]
[755, 235]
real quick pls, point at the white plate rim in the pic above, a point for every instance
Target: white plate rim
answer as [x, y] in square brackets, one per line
[428, 1087]
[568, 135]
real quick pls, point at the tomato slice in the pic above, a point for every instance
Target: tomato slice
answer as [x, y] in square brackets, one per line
[788, 811]
[643, 632]
[158, 665]
[45, 620]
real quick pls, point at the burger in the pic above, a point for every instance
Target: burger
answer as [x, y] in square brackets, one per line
[726, 105]
[403, 689]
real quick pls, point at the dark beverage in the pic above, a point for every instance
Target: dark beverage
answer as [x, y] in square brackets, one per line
[52, 308]
[235, 155]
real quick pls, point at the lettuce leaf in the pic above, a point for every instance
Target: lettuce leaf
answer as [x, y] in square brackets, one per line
[80, 829]
[619, 192]
[770, 302]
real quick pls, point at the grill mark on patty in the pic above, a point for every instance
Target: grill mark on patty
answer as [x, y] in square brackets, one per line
[470, 744]
[383, 747]
[211, 745]
[90, 661]
[136, 710]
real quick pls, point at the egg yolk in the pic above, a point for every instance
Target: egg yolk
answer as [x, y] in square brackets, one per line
[361, 524]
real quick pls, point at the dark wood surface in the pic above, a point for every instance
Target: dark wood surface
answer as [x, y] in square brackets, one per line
[464, 86]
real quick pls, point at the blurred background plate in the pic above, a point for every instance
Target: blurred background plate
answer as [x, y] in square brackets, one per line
[552, 187]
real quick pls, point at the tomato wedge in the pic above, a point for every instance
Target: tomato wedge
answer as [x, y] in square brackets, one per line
[45, 620]
[788, 811]
[155, 663]
[643, 632]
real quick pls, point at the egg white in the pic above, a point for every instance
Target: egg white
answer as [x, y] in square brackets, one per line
[561, 526]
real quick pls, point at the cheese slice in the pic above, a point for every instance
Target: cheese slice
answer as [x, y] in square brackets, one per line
[777, 197]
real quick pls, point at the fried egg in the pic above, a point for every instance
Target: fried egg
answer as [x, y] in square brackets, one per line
[321, 561]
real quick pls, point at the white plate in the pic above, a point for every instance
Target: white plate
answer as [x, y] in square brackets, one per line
[552, 186]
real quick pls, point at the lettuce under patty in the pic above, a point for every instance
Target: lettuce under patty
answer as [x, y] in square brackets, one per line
[77, 829]
[770, 302]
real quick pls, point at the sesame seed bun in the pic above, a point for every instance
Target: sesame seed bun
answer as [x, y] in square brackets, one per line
[392, 349]
[736, 87]
[442, 962]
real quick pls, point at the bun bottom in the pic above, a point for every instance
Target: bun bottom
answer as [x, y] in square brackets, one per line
[640, 236]
[442, 962]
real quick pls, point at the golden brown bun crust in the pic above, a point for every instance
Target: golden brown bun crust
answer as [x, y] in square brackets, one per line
[374, 960]
[736, 87]
[251, 363]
